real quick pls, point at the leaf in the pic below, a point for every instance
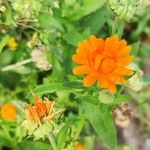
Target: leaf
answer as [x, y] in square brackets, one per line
[47, 21]
[28, 145]
[49, 88]
[135, 48]
[144, 50]
[3, 42]
[95, 21]
[120, 99]
[74, 37]
[88, 6]
[61, 136]
[87, 98]
[73, 84]
[103, 124]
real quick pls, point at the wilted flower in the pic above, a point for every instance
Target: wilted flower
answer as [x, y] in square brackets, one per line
[136, 81]
[104, 61]
[8, 112]
[39, 117]
[122, 115]
[12, 44]
[40, 59]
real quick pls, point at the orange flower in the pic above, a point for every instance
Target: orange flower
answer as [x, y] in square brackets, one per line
[104, 61]
[79, 147]
[8, 112]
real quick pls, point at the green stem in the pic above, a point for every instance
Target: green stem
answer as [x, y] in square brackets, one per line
[52, 141]
[114, 26]
[14, 66]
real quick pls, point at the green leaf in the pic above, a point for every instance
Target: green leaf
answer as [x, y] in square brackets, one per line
[87, 7]
[74, 37]
[47, 21]
[135, 48]
[49, 88]
[121, 99]
[3, 42]
[73, 84]
[28, 145]
[95, 21]
[102, 123]
[87, 98]
[61, 136]
[144, 50]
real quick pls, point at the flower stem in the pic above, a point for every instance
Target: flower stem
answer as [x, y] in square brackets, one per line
[14, 66]
[52, 141]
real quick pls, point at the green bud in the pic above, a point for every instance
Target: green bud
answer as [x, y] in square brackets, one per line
[124, 9]
[105, 97]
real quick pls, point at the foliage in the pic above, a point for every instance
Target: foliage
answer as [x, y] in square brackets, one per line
[37, 42]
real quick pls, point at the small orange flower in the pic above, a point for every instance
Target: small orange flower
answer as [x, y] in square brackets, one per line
[104, 61]
[8, 112]
[79, 147]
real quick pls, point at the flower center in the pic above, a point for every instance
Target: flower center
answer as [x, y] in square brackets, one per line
[108, 65]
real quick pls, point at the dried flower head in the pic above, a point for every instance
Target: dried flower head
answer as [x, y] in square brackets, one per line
[136, 81]
[122, 115]
[8, 112]
[104, 61]
[12, 44]
[39, 117]
[40, 59]
[41, 111]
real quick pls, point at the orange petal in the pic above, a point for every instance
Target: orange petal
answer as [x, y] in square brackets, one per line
[79, 60]
[124, 71]
[124, 61]
[116, 78]
[112, 87]
[123, 51]
[98, 60]
[89, 80]
[111, 43]
[81, 70]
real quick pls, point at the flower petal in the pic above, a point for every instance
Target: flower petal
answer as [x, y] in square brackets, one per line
[81, 70]
[89, 80]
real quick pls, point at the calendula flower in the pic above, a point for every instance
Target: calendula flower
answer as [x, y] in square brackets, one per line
[79, 147]
[39, 117]
[8, 112]
[104, 61]
[12, 44]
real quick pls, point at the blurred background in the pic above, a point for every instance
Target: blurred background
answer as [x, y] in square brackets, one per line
[29, 28]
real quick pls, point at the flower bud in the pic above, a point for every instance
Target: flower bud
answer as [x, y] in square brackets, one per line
[125, 10]
[105, 97]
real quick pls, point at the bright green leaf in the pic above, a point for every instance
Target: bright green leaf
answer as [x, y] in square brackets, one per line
[102, 123]
[61, 136]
